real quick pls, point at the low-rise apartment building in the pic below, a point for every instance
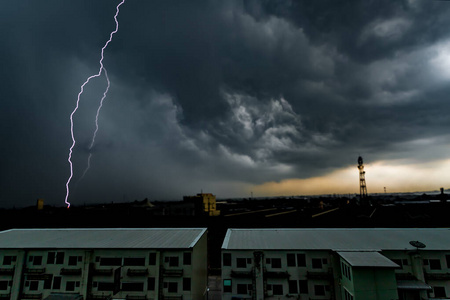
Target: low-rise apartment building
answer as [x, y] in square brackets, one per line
[341, 264]
[103, 263]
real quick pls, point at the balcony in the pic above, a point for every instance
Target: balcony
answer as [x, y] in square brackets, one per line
[136, 297]
[172, 297]
[98, 297]
[39, 277]
[102, 272]
[241, 274]
[320, 275]
[137, 272]
[272, 274]
[437, 276]
[172, 272]
[6, 271]
[31, 296]
[35, 270]
[66, 271]
[5, 296]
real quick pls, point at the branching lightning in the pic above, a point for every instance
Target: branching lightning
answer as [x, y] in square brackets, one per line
[101, 69]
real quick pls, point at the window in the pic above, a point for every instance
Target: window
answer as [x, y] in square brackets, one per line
[319, 290]
[226, 259]
[48, 283]
[55, 257]
[405, 262]
[152, 259]
[8, 260]
[73, 260]
[347, 295]
[242, 289]
[134, 261]
[435, 264]
[186, 284]
[398, 262]
[317, 263]
[110, 261]
[151, 283]
[290, 260]
[241, 263]
[301, 260]
[34, 285]
[37, 261]
[303, 285]
[293, 289]
[133, 286]
[187, 258]
[70, 286]
[324, 261]
[59, 258]
[227, 285]
[4, 285]
[439, 291]
[276, 263]
[172, 260]
[447, 258]
[277, 289]
[172, 287]
[56, 282]
[105, 286]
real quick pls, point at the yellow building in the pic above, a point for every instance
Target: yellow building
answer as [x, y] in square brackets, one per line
[204, 202]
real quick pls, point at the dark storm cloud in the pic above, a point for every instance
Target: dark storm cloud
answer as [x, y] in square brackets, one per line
[215, 95]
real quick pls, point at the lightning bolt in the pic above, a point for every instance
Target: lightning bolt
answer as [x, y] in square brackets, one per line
[96, 125]
[102, 68]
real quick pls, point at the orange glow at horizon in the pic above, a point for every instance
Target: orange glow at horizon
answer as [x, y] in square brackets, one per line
[396, 178]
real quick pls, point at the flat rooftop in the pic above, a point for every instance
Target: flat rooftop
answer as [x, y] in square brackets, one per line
[336, 239]
[120, 238]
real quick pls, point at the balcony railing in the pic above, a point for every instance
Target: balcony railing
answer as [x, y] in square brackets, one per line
[172, 272]
[31, 296]
[68, 271]
[5, 296]
[6, 271]
[327, 274]
[437, 276]
[34, 270]
[103, 272]
[172, 297]
[136, 297]
[137, 272]
[98, 297]
[273, 274]
[241, 274]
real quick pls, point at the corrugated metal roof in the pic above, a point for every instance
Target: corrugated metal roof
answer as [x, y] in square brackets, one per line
[151, 238]
[337, 239]
[367, 259]
[412, 285]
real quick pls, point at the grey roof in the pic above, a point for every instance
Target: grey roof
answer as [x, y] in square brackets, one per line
[121, 238]
[337, 239]
[412, 285]
[371, 259]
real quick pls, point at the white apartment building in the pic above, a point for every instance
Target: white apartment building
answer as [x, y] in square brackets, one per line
[341, 264]
[138, 264]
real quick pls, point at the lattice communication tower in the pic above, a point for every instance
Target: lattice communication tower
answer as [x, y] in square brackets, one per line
[362, 179]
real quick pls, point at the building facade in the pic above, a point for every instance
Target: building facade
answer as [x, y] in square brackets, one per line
[341, 264]
[103, 263]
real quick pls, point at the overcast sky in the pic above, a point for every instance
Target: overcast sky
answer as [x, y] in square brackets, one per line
[229, 97]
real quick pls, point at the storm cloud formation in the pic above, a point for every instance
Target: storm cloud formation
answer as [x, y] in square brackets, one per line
[217, 95]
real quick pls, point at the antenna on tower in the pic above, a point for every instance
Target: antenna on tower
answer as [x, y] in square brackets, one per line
[362, 180]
